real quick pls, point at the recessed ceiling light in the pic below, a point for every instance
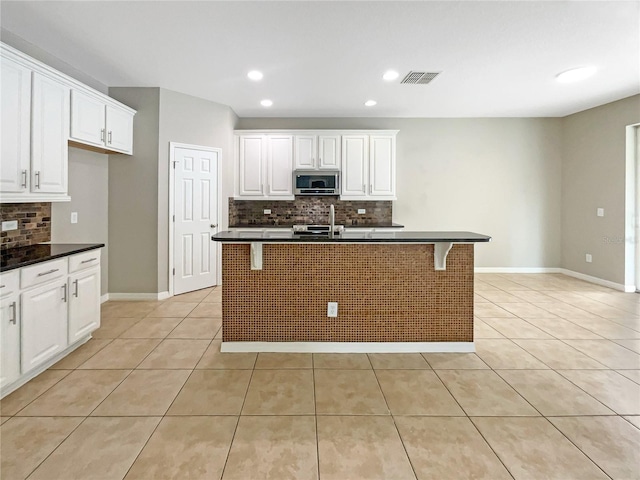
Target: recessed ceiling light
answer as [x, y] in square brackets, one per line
[370, 103]
[266, 103]
[390, 75]
[575, 74]
[255, 75]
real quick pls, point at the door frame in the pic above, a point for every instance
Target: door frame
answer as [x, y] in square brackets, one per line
[172, 152]
[632, 211]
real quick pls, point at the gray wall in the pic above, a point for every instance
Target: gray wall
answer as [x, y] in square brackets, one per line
[194, 121]
[497, 176]
[133, 199]
[593, 175]
[89, 191]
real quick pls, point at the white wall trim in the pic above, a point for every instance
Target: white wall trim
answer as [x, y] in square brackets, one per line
[138, 296]
[104, 298]
[517, 270]
[631, 197]
[172, 149]
[349, 347]
[598, 281]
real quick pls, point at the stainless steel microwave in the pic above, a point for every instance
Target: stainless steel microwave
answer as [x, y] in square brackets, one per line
[312, 182]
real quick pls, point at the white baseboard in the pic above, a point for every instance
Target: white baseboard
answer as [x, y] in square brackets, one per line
[138, 296]
[104, 298]
[517, 270]
[598, 281]
[348, 347]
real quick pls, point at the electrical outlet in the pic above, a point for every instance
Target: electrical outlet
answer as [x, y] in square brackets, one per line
[362, 211]
[10, 225]
[267, 211]
[332, 309]
[588, 258]
[74, 217]
[600, 212]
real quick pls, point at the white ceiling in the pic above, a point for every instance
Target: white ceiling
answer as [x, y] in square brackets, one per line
[327, 58]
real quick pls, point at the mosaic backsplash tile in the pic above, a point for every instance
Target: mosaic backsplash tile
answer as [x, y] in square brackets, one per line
[34, 223]
[308, 210]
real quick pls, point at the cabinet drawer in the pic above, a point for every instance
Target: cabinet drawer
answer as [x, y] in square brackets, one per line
[9, 282]
[84, 260]
[43, 272]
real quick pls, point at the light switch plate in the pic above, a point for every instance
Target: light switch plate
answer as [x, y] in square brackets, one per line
[74, 217]
[267, 211]
[9, 225]
[600, 212]
[362, 211]
[588, 258]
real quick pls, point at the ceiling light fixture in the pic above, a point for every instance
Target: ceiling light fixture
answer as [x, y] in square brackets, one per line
[370, 103]
[255, 75]
[575, 74]
[266, 103]
[390, 75]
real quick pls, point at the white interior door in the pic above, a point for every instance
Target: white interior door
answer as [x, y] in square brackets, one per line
[196, 219]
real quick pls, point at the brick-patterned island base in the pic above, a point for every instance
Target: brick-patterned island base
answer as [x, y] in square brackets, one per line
[390, 298]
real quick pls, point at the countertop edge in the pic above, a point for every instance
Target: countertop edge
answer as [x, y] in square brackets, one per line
[27, 263]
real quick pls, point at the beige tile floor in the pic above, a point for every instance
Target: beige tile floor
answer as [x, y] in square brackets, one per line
[553, 392]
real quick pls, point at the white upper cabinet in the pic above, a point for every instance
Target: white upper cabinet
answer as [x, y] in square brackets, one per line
[382, 166]
[43, 111]
[87, 119]
[355, 166]
[369, 166]
[251, 159]
[15, 127]
[96, 122]
[49, 135]
[317, 152]
[280, 166]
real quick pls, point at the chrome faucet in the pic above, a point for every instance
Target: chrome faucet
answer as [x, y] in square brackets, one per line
[332, 220]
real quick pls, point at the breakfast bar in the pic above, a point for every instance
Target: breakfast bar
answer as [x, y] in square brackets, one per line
[348, 292]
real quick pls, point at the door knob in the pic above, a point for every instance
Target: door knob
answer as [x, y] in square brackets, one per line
[213, 225]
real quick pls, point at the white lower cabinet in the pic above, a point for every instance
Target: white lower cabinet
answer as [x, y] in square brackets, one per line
[46, 310]
[9, 339]
[84, 303]
[44, 323]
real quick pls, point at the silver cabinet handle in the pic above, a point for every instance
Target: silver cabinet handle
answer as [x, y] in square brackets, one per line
[364, 188]
[75, 293]
[41, 274]
[371, 188]
[213, 225]
[89, 260]
[37, 174]
[64, 292]
[2, 286]
[110, 137]
[102, 139]
[24, 179]
[14, 316]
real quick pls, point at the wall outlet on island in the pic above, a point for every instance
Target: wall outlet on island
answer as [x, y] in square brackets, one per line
[267, 211]
[332, 309]
[362, 211]
[588, 258]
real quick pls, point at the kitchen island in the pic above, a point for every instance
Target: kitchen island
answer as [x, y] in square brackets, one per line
[396, 291]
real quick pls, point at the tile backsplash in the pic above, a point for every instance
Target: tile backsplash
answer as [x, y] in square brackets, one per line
[34, 223]
[308, 210]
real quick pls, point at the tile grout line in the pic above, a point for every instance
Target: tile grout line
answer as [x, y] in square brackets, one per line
[315, 413]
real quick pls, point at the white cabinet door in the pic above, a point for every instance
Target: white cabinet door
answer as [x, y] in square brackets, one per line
[44, 323]
[280, 166]
[84, 303]
[15, 128]
[329, 152]
[305, 152]
[87, 119]
[355, 163]
[251, 166]
[119, 130]
[50, 135]
[382, 162]
[9, 340]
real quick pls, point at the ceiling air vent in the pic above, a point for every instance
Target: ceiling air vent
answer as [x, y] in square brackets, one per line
[419, 78]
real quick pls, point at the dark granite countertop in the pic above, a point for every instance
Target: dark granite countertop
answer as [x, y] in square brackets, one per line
[18, 257]
[352, 236]
[373, 225]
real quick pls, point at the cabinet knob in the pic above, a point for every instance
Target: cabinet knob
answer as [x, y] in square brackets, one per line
[213, 225]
